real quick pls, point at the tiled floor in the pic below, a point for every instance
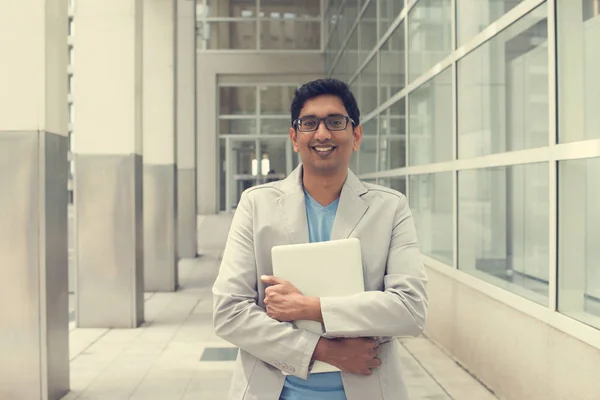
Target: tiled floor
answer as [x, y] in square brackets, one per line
[165, 358]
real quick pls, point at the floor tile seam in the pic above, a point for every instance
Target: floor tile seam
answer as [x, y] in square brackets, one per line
[426, 371]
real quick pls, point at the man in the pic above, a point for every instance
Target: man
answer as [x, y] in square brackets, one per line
[321, 200]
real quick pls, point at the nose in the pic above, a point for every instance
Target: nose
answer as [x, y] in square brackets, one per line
[322, 132]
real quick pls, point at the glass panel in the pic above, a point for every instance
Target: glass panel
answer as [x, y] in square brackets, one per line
[290, 34]
[228, 8]
[244, 165]
[368, 80]
[397, 183]
[578, 65]
[579, 230]
[275, 126]
[429, 35]
[503, 231]
[367, 154]
[297, 8]
[430, 128]
[431, 201]
[392, 141]
[228, 35]
[503, 91]
[368, 31]
[276, 100]
[272, 164]
[222, 176]
[393, 72]
[237, 126]
[237, 100]
[473, 16]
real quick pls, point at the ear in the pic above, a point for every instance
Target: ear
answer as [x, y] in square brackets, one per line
[293, 137]
[357, 134]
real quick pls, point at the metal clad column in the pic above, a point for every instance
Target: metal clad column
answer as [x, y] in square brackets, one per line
[34, 347]
[186, 128]
[160, 181]
[107, 70]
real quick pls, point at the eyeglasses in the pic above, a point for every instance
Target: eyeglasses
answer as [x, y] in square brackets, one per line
[332, 122]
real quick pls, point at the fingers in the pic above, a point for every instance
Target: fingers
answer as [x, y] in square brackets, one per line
[271, 280]
[374, 363]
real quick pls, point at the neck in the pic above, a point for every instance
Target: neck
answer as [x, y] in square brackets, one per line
[325, 189]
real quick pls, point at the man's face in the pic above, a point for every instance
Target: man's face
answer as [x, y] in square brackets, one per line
[326, 151]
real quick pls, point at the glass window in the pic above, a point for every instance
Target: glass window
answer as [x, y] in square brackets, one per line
[578, 65]
[290, 33]
[432, 204]
[367, 34]
[429, 35]
[237, 126]
[430, 125]
[230, 8]
[503, 91]
[298, 8]
[397, 183]
[237, 100]
[392, 140]
[579, 230]
[368, 80]
[228, 35]
[276, 99]
[367, 154]
[272, 126]
[393, 70]
[503, 227]
[473, 16]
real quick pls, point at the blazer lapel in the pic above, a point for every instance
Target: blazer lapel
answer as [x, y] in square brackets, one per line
[292, 207]
[351, 208]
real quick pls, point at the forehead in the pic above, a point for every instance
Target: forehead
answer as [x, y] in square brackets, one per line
[323, 105]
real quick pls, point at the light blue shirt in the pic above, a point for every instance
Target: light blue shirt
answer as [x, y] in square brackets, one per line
[325, 386]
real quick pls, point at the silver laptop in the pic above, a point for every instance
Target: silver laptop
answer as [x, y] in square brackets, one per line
[323, 269]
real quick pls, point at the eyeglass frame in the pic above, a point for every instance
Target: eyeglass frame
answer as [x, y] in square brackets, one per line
[324, 119]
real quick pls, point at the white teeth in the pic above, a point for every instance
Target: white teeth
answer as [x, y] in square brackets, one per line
[323, 149]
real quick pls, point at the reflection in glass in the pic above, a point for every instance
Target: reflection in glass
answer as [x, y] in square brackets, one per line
[429, 35]
[473, 16]
[430, 125]
[397, 183]
[369, 99]
[503, 91]
[578, 65]
[290, 8]
[503, 232]
[393, 74]
[368, 31]
[579, 230]
[244, 168]
[272, 166]
[237, 100]
[392, 141]
[227, 35]
[367, 154]
[431, 201]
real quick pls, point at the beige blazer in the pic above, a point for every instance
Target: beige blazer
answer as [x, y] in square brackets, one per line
[394, 304]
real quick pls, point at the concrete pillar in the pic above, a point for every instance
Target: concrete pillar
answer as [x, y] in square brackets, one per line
[34, 347]
[107, 144]
[159, 148]
[186, 128]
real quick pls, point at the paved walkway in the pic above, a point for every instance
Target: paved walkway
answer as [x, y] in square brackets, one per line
[175, 354]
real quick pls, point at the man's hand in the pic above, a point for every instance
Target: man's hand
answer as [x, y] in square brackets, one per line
[356, 355]
[285, 302]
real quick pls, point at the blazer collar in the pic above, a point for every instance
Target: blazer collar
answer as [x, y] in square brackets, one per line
[351, 207]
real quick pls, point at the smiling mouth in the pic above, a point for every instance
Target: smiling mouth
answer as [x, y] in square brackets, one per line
[324, 150]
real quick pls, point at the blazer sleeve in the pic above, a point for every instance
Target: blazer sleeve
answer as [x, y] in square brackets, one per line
[237, 317]
[401, 308]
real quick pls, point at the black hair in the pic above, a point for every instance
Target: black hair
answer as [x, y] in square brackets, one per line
[321, 87]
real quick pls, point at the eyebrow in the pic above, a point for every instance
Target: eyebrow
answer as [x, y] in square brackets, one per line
[328, 115]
